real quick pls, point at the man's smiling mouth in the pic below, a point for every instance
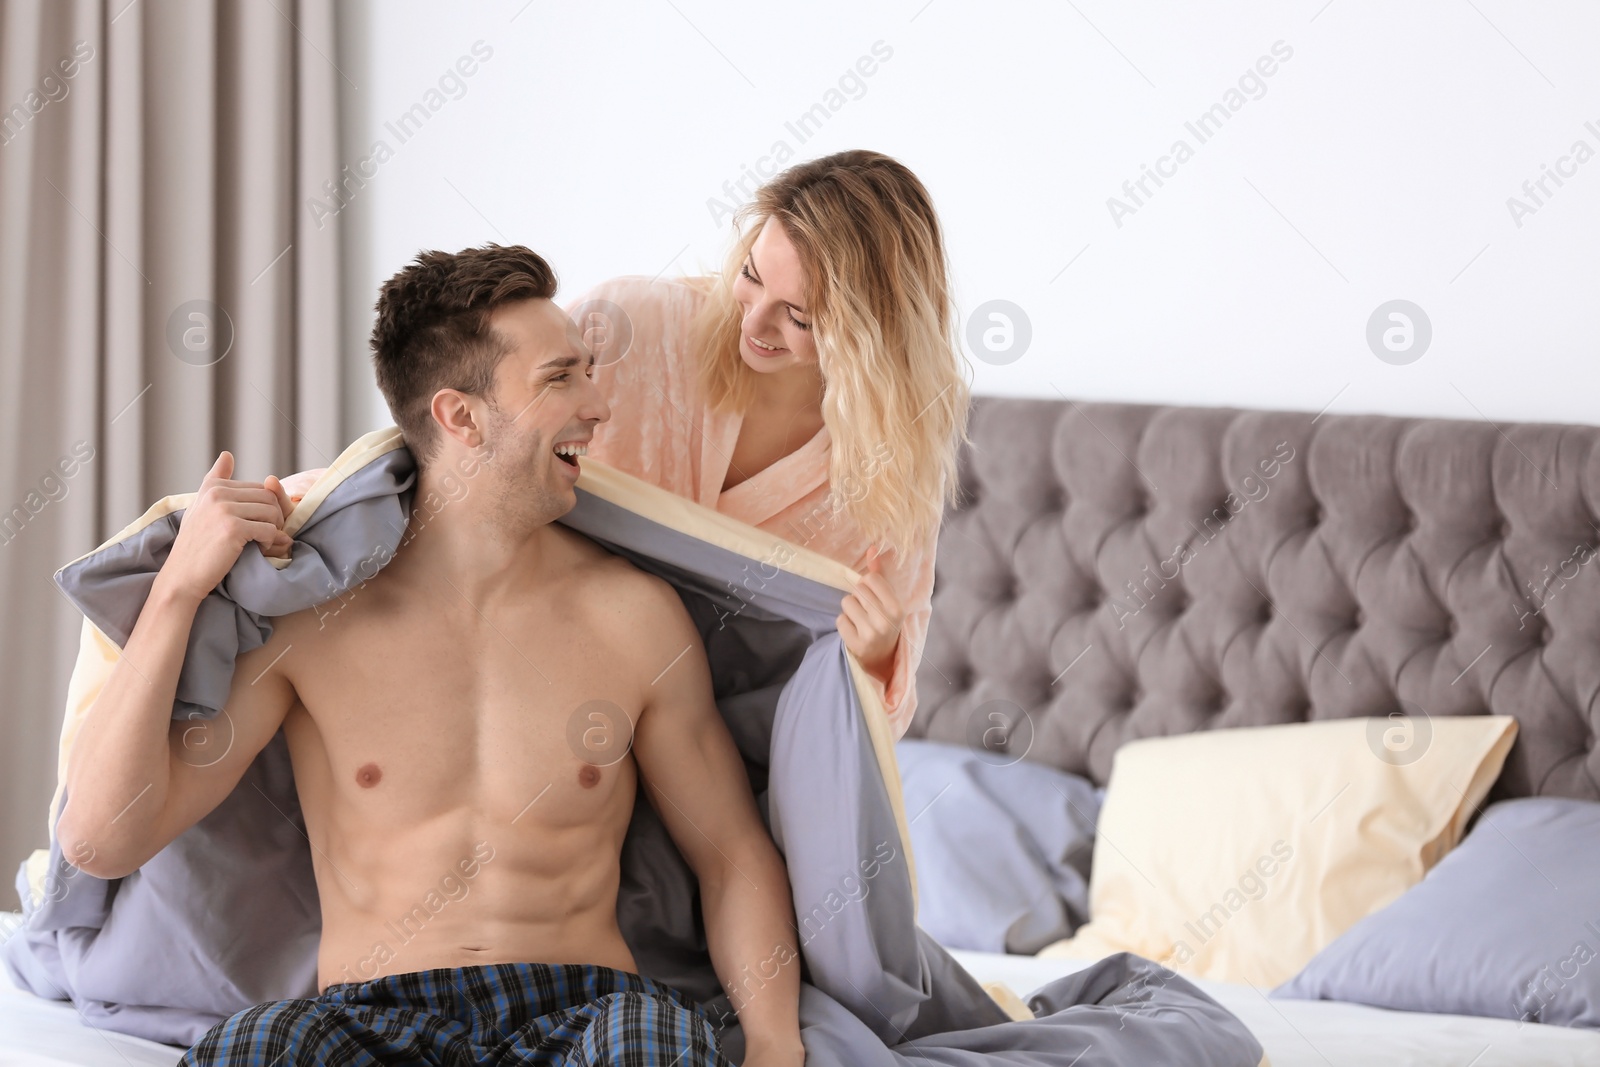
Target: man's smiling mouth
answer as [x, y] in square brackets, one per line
[569, 452]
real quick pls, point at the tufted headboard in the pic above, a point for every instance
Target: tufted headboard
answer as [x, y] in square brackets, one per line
[1118, 571]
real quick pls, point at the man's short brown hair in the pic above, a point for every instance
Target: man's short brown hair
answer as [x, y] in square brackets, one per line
[433, 329]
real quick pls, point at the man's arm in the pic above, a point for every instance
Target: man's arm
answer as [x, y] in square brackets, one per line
[136, 778]
[695, 778]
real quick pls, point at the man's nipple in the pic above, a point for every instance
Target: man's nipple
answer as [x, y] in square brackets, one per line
[369, 775]
[588, 776]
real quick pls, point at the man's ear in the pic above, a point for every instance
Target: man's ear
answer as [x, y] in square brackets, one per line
[458, 417]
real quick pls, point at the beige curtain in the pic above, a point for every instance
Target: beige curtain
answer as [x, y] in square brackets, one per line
[165, 292]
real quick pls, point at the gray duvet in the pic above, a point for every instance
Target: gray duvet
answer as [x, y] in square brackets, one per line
[227, 915]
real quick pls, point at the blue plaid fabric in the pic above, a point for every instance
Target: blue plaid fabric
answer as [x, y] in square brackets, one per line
[550, 1015]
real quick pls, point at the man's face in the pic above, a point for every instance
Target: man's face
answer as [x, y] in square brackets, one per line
[544, 399]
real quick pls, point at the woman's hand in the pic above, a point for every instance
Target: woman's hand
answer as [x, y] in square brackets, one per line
[297, 484]
[870, 622]
[280, 549]
[224, 516]
[289, 491]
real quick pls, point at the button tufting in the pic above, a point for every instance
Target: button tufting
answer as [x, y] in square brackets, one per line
[1358, 620]
[1505, 529]
[1264, 612]
[1318, 516]
[1452, 627]
[1410, 522]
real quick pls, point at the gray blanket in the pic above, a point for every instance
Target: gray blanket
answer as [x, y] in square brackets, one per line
[227, 915]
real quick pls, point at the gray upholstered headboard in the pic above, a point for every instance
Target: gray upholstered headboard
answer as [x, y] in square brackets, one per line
[1100, 584]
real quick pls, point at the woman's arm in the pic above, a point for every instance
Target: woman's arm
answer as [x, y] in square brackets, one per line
[915, 578]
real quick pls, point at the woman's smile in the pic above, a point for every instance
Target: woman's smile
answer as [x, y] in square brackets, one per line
[762, 348]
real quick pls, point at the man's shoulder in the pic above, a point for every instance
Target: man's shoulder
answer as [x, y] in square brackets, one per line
[601, 573]
[347, 611]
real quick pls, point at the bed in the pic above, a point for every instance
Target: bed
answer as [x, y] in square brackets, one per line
[35, 1032]
[44, 1033]
[1310, 1033]
[1374, 537]
[1365, 536]
[1384, 563]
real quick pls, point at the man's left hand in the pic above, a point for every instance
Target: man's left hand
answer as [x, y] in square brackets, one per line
[788, 1054]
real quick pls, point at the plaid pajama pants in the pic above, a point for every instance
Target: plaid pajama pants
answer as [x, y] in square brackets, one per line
[549, 1015]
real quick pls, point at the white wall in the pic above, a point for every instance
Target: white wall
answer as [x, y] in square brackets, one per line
[1375, 163]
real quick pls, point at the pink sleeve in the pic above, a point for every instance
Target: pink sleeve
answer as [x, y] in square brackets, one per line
[912, 581]
[651, 385]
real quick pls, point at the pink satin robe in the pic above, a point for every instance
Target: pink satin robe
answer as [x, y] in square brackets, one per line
[662, 430]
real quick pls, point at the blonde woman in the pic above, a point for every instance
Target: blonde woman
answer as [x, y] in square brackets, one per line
[814, 390]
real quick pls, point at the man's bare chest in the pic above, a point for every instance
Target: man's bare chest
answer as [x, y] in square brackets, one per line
[420, 718]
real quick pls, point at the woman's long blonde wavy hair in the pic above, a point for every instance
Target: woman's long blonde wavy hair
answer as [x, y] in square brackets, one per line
[895, 391]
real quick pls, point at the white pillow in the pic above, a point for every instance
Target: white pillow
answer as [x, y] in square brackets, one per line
[1237, 855]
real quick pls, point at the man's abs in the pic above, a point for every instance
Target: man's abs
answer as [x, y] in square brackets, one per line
[458, 890]
[466, 785]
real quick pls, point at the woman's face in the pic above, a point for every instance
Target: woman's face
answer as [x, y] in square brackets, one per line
[771, 290]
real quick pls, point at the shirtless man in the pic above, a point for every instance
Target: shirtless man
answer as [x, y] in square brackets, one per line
[429, 722]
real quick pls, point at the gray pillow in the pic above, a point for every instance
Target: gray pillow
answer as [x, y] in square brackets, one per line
[1001, 846]
[1505, 926]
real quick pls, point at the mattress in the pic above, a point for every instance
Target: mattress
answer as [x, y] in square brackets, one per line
[48, 1033]
[1314, 1033]
[44, 1033]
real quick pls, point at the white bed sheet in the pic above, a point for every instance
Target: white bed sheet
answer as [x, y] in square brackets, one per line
[1295, 1033]
[1316, 1033]
[48, 1033]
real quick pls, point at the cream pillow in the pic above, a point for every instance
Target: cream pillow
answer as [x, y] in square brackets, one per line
[1238, 854]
